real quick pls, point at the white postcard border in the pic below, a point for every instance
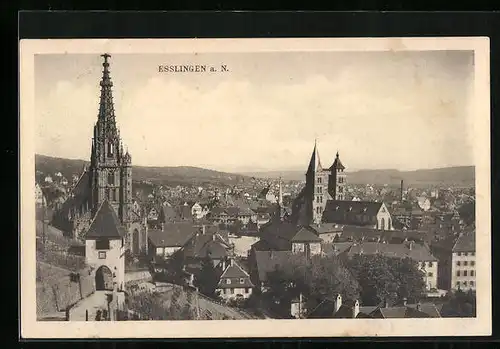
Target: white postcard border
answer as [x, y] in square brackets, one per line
[30, 328]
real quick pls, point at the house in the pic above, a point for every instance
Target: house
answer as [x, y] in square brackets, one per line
[261, 263]
[199, 211]
[285, 236]
[209, 242]
[327, 232]
[163, 243]
[48, 179]
[420, 254]
[457, 256]
[338, 309]
[234, 282]
[358, 213]
[105, 249]
[39, 196]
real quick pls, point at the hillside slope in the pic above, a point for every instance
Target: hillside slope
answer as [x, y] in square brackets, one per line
[162, 175]
[462, 175]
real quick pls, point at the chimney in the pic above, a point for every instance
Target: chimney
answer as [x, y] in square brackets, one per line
[337, 303]
[405, 301]
[231, 261]
[401, 190]
[410, 246]
[203, 229]
[355, 309]
[386, 303]
[419, 306]
[213, 236]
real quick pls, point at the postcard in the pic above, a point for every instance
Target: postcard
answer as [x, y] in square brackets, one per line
[223, 188]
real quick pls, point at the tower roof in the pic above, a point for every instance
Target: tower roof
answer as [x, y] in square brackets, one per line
[314, 163]
[106, 107]
[105, 223]
[337, 164]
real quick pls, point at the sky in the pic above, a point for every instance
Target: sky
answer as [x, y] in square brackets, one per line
[380, 110]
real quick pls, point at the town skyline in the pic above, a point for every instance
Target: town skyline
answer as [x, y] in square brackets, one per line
[254, 119]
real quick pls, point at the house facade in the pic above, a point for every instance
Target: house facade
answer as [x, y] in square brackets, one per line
[234, 282]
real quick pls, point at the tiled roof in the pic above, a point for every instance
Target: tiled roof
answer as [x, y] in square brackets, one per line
[417, 252]
[172, 235]
[204, 245]
[314, 163]
[268, 261]
[327, 228]
[337, 164]
[465, 243]
[234, 271]
[335, 248]
[305, 234]
[351, 212]
[105, 223]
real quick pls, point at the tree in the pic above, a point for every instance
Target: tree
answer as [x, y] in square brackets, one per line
[383, 278]
[315, 279]
[459, 304]
[208, 278]
[467, 212]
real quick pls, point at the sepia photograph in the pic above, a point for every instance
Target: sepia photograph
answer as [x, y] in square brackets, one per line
[304, 187]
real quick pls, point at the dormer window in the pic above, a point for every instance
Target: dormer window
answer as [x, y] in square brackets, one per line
[228, 281]
[242, 281]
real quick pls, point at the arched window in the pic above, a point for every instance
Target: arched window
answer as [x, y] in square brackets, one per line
[382, 224]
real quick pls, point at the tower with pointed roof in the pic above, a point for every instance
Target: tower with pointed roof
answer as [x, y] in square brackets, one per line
[337, 180]
[110, 165]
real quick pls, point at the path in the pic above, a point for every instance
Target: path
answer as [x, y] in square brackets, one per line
[94, 302]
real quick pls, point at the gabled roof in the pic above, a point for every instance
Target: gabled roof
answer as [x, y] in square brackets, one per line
[105, 223]
[327, 228]
[305, 234]
[268, 261]
[172, 235]
[465, 243]
[234, 271]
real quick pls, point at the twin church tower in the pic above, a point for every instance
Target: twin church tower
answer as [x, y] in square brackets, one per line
[322, 184]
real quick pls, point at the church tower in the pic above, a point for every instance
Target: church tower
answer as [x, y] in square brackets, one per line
[316, 187]
[110, 167]
[337, 180]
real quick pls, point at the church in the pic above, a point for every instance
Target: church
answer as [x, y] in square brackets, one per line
[322, 185]
[107, 178]
[323, 200]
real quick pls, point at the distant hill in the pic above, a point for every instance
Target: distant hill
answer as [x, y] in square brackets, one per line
[181, 175]
[462, 175]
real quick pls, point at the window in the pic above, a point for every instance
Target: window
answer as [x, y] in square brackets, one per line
[459, 254]
[465, 262]
[457, 283]
[458, 263]
[341, 179]
[472, 273]
[473, 253]
[321, 199]
[431, 264]
[465, 272]
[471, 283]
[318, 210]
[317, 199]
[319, 180]
[465, 283]
[102, 244]
[341, 189]
[247, 290]
[429, 274]
[102, 254]
[111, 178]
[231, 290]
[228, 281]
[472, 263]
[466, 254]
[319, 190]
[113, 194]
[110, 149]
[458, 272]
[242, 281]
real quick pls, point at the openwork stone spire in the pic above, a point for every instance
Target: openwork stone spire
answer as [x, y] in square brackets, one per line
[106, 116]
